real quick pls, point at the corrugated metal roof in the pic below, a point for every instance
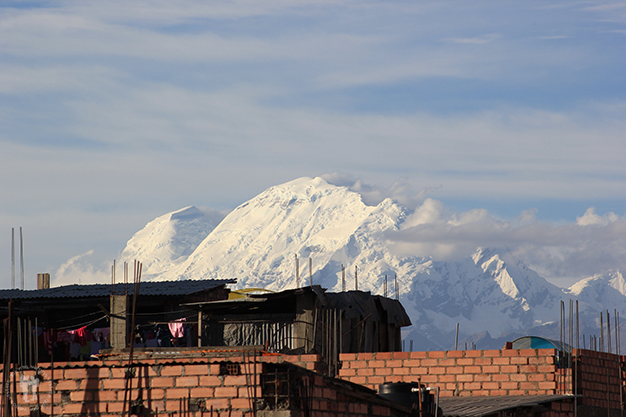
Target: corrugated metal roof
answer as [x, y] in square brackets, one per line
[484, 406]
[155, 288]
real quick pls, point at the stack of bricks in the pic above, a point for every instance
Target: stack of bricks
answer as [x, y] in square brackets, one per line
[458, 373]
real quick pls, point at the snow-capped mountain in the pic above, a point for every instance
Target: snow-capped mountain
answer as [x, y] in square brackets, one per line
[258, 244]
[167, 241]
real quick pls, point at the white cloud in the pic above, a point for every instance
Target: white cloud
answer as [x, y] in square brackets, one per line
[591, 218]
[78, 270]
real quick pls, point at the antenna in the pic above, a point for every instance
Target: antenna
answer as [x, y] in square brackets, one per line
[356, 279]
[22, 257]
[310, 271]
[343, 278]
[12, 258]
[386, 288]
[397, 288]
[297, 272]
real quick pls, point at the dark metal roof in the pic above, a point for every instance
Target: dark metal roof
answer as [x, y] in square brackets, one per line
[485, 406]
[154, 288]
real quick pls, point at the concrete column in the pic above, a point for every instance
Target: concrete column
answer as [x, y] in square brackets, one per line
[119, 322]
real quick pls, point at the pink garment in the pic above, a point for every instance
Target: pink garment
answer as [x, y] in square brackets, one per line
[176, 328]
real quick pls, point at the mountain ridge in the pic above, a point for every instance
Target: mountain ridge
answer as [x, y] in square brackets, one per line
[258, 242]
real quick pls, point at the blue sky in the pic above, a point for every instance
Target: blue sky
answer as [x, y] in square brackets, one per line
[114, 113]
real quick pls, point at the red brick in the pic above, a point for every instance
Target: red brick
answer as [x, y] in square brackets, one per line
[447, 378]
[547, 385]
[473, 353]
[67, 385]
[447, 362]
[491, 385]
[509, 385]
[383, 355]
[84, 384]
[166, 382]
[347, 372]
[418, 355]
[536, 377]
[401, 371]
[377, 364]
[394, 363]
[217, 403]
[510, 352]
[187, 381]
[113, 384]
[376, 380]
[455, 354]
[361, 380]
[210, 380]
[518, 377]
[241, 403]
[508, 369]
[401, 355]
[172, 370]
[199, 369]
[473, 369]
[492, 353]
[172, 393]
[528, 368]
[358, 364]
[437, 354]
[465, 361]
[419, 370]
[455, 370]
[429, 362]
[522, 360]
[497, 392]
[245, 392]
[412, 362]
[471, 386]
[500, 377]
[437, 370]
[81, 396]
[227, 392]
[546, 368]
[76, 373]
[491, 369]
[482, 377]
[235, 380]
[347, 356]
[383, 371]
[483, 361]
[157, 394]
[365, 372]
[501, 361]
[465, 378]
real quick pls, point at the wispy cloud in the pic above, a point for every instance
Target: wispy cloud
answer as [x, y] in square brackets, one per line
[476, 40]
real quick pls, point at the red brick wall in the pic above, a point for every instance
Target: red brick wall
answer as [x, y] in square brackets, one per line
[462, 373]
[179, 386]
[598, 376]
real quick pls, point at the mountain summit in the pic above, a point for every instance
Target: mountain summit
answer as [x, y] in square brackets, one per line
[268, 239]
